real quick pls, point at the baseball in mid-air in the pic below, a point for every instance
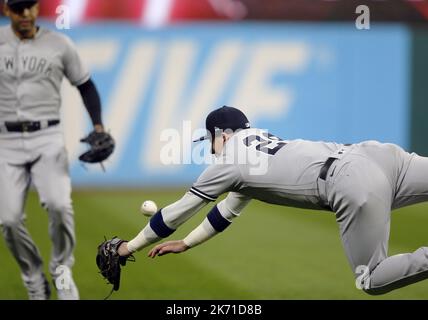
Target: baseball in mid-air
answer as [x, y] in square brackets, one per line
[148, 208]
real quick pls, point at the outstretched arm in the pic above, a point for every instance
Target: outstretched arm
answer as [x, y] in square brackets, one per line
[217, 220]
[214, 181]
[164, 223]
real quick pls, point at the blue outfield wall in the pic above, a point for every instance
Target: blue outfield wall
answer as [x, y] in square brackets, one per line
[311, 81]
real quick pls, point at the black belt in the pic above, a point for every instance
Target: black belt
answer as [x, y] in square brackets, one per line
[325, 167]
[27, 126]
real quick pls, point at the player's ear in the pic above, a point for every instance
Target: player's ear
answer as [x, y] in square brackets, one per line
[226, 135]
[6, 10]
[36, 9]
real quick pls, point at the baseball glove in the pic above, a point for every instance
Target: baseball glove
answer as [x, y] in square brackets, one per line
[101, 146]
[109, 261]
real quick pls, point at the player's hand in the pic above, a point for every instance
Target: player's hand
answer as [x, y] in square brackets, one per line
[168, 247]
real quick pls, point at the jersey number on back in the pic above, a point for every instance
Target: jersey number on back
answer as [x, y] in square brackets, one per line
[265, 142]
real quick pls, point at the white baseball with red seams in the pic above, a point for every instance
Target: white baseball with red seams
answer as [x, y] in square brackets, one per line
[148, 208]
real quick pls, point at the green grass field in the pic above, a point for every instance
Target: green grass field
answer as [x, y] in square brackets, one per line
[270, 252]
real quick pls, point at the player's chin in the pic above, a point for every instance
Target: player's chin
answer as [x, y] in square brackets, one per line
[25, 26]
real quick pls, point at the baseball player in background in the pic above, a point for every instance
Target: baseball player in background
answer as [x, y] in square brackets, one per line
[33, 62]
[361, 183]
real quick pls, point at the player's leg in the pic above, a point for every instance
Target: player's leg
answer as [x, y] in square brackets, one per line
[14, 183]
[412, 185]
[362, 198]
[359, 196]
[51, 178]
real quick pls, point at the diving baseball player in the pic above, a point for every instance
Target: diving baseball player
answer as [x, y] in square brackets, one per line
[360, 183]
[33, 63]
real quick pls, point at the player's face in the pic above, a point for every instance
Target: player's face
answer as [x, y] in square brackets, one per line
[23, 18]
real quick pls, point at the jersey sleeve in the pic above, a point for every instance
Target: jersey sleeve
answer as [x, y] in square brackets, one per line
[216, 180]
[232, 206]
[218, 219]
[74, 68]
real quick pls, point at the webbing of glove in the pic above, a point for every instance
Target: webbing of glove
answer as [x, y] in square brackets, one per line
[101, 146]
[109, 261]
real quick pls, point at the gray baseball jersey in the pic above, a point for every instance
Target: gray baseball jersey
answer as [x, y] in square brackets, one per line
[261, 166]
[31, 73]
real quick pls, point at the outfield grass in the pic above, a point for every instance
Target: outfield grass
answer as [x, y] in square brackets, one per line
[270, 252]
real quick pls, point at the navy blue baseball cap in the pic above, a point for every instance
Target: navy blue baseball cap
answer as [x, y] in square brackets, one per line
[15, 2]
[224, 118]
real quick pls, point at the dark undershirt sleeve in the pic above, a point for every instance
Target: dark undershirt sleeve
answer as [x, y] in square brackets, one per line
[92, 101]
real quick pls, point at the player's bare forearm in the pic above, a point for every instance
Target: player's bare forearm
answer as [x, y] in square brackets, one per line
[176, 246]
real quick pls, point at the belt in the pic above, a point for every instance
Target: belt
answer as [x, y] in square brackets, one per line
[325, 167]
[329, 162]
[29, 126]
